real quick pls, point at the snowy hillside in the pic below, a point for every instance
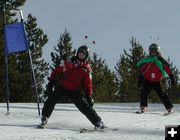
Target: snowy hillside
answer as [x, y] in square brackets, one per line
[66, 121]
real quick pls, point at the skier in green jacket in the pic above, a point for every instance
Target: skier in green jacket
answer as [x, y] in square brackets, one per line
[153, 70]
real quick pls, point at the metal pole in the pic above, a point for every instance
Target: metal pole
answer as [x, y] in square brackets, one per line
[6, 62]
[33, 74]
[34, 81]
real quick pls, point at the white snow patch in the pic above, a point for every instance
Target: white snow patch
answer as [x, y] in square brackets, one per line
[66, 120]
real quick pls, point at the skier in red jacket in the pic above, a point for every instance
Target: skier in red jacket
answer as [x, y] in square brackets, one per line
[152, 70]
[72, 79]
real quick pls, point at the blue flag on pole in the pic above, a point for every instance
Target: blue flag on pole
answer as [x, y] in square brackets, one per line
[15, 38]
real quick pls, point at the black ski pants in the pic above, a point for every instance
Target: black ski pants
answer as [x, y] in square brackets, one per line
[76, 97]
[147, 88]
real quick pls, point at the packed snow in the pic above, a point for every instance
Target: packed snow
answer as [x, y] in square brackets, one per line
[66, 121]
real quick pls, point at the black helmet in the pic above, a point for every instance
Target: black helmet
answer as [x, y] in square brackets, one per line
[83, 49]
[154, 50]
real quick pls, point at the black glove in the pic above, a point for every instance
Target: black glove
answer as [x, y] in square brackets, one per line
[167, 83]
[171, 77]
[90, 100]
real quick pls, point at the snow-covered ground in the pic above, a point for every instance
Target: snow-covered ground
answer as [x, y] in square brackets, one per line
[66, 121]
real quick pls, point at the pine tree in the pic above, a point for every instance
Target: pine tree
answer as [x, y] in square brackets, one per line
[122, 74]
[20, 73]
[173, 92]
[37, 40]
[104, 86]
[63, 50]
[9, 5]
[127, 72]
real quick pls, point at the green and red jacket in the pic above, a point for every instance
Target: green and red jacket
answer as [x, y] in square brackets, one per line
[154, 68]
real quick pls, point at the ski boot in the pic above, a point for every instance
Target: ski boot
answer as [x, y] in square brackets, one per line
[43, 122]
[170, 111]
[100, 126]
[143, 109]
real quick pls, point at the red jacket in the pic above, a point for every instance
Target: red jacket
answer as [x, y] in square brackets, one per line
[73, 76]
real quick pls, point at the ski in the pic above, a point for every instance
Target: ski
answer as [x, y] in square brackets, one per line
[138, 112]
[155, 113]
[40, 126]
[81, 130]
[85, 130]
[167, 113]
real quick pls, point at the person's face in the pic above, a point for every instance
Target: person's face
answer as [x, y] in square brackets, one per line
[82, 54]
[153, 52]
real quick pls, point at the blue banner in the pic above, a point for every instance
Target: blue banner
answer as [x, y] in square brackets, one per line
[15, 38]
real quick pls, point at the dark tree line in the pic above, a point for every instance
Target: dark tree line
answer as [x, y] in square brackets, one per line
[118, 85]
[21, 87]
